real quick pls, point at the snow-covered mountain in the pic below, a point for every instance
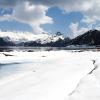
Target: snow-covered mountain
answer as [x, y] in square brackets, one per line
[91, 37]
[46, 38]
[19, 37]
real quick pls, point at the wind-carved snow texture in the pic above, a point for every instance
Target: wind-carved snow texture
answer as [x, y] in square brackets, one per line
[95, 67]
[50, 75]
[77, 94]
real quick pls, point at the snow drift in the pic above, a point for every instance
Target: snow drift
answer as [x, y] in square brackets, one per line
[53, 75]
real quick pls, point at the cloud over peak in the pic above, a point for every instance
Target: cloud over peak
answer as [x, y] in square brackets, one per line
[25, 12]
[33, 12]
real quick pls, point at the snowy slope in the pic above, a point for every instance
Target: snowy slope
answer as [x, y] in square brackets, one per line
[54, 75]
[24, 37]
[88, 87]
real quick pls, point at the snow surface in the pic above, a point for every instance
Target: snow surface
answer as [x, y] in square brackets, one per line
[50, 75]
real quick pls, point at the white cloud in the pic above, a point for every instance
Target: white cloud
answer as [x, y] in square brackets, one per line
[23, 36]
[74, 27]
[92, 15]
[90, 8]
[15, 36]
[34, 15]
[33, 12]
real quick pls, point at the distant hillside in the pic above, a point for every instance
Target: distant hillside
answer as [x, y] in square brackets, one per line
[91, 37]
[58, 43]
[5, 41]
[40, 40]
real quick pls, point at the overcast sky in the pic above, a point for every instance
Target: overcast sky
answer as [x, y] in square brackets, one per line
[71, 17]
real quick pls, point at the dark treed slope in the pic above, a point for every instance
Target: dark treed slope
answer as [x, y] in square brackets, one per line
[91, 37]
[5, 41]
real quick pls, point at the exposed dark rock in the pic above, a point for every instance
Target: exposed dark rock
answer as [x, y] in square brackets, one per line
[7, 54]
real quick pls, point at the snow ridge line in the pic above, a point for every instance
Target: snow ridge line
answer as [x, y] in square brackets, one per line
[91, 72]
[95, 67]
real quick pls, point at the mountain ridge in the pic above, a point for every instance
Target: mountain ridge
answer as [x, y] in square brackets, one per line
[89, 38]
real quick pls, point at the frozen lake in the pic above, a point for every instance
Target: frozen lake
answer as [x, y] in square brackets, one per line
[30, 49]
[50, 75]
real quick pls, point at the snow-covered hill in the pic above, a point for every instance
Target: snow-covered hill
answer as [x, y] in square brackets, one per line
[18, 37]
[91, 37]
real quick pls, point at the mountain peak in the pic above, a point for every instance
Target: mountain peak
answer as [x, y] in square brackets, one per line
[91, 37]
